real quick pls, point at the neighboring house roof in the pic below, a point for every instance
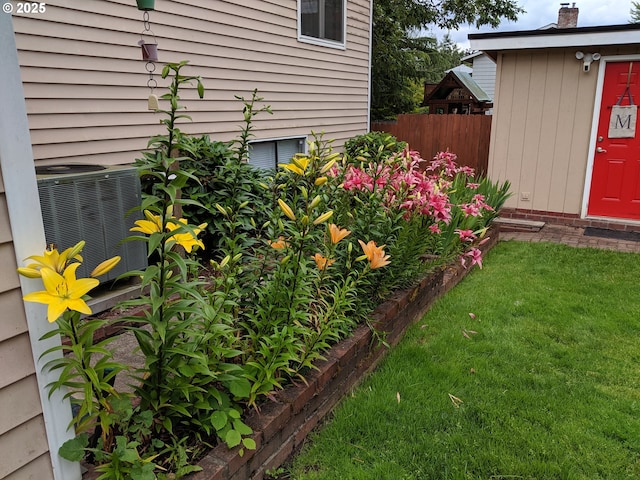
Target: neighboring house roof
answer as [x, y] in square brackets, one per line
[470, 84]
[492, 42]
[461, 68]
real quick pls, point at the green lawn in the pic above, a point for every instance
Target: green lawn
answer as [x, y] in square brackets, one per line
[548, 387]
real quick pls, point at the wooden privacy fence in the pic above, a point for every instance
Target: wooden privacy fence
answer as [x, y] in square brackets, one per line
[465, 135]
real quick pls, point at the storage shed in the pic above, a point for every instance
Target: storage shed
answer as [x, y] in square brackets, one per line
[563, 129]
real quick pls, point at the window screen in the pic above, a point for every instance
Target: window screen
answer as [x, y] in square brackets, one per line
[268, 154]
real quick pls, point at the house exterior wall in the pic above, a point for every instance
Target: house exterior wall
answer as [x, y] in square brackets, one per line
[86, 84]
[23, 440]
[484, 74]
[543, 112]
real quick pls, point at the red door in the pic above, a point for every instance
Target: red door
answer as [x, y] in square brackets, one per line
[615, 183]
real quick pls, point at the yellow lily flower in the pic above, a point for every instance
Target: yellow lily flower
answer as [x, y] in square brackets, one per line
[152, 224]
[322, 262]
[337, 233]
[54, 260]
[105, 266]
[297, 165]
[63, 292]
[186, 240]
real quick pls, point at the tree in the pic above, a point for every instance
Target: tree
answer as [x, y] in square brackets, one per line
[401, 58]
[635, 12]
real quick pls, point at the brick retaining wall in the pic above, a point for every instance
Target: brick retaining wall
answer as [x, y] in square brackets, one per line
[282, 425]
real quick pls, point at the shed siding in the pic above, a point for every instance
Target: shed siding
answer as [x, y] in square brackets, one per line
[23, 440]
[86, 85]
[542, 122]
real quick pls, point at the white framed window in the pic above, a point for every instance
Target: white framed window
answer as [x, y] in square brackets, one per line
[323, 22]
[267, 154]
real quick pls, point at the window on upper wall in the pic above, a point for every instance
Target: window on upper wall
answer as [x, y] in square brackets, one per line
[322, 22]
[268, 154]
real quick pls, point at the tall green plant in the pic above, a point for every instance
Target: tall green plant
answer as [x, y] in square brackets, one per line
[188, 381]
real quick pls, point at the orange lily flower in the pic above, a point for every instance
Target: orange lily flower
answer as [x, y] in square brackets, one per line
[337, 233]
[374, 254]
[279, 244]
[322, 262]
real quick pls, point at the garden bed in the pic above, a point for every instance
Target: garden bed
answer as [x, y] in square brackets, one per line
[282, 424]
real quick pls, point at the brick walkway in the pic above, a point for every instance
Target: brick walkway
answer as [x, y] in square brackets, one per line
[573, 236]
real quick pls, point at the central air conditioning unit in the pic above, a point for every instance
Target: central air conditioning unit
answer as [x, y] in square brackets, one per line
[96, 204]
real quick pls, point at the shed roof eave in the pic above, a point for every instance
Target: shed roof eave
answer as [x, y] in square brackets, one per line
[575, 37]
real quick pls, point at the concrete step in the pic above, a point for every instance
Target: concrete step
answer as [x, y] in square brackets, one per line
[518, 225]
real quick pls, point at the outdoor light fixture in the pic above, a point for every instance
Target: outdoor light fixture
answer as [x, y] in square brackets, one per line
[587, 58]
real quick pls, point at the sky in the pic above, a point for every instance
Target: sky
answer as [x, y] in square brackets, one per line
[539, 13]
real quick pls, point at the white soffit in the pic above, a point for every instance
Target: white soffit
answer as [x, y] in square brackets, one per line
[573, 38]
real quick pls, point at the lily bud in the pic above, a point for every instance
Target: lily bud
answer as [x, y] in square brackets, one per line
[221, 209]
[328, 165]
[105, 266]
[320, 181]
[286, 209]
[314, 203]
[305, 193]
[29, 272]
[323, 218]
[76, 249]
[224, 261]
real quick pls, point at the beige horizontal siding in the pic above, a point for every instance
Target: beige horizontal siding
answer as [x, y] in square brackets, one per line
[85, 81]
[23, 440]
[16, 360]
[5, 228]
[15, 323]
[21, 446]
[22, 400]
[37, 469]
[9, 278]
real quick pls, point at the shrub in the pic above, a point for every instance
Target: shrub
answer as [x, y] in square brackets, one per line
[372, 146]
